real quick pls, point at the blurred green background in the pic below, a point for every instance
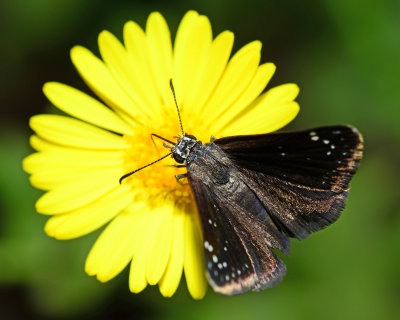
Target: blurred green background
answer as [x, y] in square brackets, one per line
[345, 56]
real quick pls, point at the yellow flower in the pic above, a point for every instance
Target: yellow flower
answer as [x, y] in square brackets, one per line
[152, 222]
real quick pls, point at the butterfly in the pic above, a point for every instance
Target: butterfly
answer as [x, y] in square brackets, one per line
[255, 192]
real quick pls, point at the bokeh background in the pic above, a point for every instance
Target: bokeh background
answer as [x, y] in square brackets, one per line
[345, 56]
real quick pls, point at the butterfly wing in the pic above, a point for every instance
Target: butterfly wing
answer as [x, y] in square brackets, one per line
[237, 251]
[301, 178]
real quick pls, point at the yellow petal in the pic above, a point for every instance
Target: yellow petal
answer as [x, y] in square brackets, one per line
[190, 56]
[137, 274]
[271, 111]
[171, 278]
[159, 245]
[194, 263]
[40, 144]
[126, 72]
[100, 80]
[185, 28]
[283, 93]
[258, 83]
[266, 121]
[52, 179]
[115, 247]
[91, 217]
[84, 107]
[138, 52]
[71, 196]
[214, 66]
[237, 76]
[75, 133]
[72, 160]
[160, 55]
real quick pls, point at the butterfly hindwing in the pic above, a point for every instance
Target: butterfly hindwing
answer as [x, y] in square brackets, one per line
[237, 236]
[225, 255]
[301, 178]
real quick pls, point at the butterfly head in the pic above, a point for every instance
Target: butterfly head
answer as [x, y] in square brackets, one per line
[184, 146]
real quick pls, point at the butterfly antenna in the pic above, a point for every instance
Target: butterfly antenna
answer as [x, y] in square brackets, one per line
[147, 165]
[176, 103]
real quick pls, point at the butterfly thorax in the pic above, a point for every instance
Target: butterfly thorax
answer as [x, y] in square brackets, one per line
[184, 148]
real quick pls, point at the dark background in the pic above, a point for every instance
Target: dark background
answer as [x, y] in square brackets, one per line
[344, 55]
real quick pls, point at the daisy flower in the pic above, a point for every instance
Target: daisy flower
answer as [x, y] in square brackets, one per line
[151, 221]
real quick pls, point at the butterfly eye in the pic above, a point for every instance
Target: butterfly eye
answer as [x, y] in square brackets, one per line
[178, 158]
[190, 136]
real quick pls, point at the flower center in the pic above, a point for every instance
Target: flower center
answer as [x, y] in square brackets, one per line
[158, 180]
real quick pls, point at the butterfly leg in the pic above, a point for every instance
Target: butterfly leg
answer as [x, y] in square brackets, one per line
[212, 139]
[178, 177]
[175, 165]
[152, 135]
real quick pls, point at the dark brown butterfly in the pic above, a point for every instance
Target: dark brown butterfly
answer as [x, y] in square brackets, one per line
[254, 192]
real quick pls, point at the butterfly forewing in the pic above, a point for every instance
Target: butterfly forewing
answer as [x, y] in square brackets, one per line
[317, 158]
[302, 178]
